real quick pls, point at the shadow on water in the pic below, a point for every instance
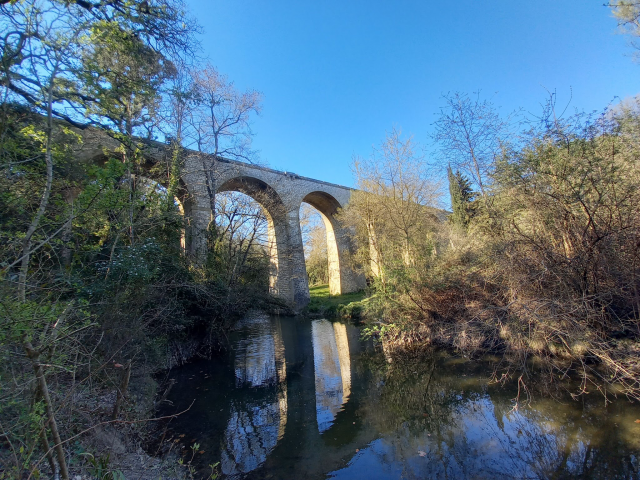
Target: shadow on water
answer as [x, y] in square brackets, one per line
[308, 399]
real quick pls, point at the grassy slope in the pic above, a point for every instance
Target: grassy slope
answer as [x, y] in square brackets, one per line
[322, 302]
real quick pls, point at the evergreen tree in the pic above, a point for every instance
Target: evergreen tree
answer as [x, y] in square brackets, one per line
[461, 198]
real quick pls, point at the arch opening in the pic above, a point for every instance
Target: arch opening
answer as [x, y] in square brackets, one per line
[326, 207]
[240, 249]
[152, 171]
[157, 193]
[152, 179]
[314, 238]
[258, 190]
[271, 234]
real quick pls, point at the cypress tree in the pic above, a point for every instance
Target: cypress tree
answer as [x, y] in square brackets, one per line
[461, 198]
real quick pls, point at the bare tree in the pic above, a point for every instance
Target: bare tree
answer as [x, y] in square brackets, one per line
[221, 115]
[393, 205]
[470, 134]
[220, 121]
[242, 238]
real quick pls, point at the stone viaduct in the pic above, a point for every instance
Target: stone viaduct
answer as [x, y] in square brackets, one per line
[279, 193]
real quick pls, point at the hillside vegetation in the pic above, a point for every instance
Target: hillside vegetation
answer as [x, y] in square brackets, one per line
[542, 262]
[97, 290]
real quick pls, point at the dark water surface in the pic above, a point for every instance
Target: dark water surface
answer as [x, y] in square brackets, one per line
[307, 399]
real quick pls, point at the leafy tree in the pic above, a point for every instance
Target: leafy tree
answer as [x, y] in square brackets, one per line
[124, 76]
[88, 63]
[34, 32]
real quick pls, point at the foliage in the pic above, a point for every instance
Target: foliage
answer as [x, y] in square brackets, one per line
[100, 468]
[124, 76]
[550, 270]
[51, 40]
[94, 274]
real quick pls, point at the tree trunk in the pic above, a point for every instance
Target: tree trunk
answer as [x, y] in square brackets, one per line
[44, 201]
[374, 252]
[34, 356]
[45, 441]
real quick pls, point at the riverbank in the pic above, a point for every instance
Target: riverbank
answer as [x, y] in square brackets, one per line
[474, 315]
[323, 304]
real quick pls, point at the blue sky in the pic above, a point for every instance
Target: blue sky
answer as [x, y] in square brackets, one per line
[337, 75]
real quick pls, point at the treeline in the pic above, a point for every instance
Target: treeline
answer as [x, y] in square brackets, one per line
[96, 289]
[540, 255]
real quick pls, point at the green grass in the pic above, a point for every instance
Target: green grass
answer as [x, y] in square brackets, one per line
[322, 302]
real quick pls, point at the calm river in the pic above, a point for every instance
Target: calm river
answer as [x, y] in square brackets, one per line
[308, 399]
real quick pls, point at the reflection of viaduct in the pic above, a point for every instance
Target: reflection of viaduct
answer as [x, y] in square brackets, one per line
[279, 193]
[279, 368]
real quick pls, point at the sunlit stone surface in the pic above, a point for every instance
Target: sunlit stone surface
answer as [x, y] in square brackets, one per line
[332, 368]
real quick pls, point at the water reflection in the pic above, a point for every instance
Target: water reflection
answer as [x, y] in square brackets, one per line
[252, 433]
[336, 409]
[342, 344]
[259, 353]
[257, 422]
[332, 368]
[438, 419]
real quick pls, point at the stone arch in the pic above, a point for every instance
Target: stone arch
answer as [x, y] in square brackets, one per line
[101, 157]
[280, 277]
[280, 193]
[342, 277]
[328, 206]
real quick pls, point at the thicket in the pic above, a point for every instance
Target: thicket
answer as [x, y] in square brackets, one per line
[542, 267]
[97, 292]
[315, 245]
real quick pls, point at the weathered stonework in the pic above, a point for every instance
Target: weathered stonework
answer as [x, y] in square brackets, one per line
[280, 194]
